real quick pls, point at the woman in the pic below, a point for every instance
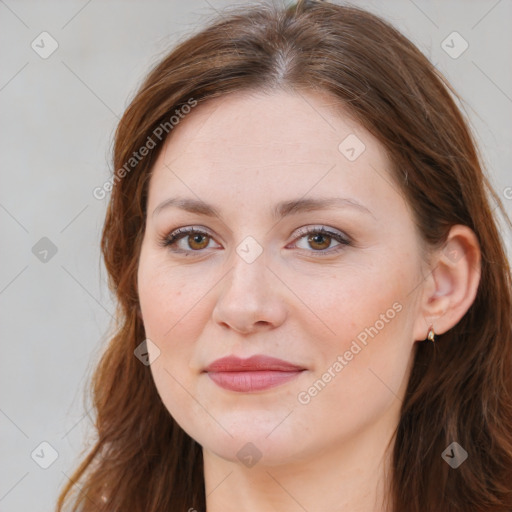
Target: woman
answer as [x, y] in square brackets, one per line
[314, 299]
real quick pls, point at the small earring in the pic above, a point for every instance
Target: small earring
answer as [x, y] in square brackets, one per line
[431, 336]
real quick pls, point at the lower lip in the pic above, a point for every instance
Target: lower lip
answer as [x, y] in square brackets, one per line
[252, 381]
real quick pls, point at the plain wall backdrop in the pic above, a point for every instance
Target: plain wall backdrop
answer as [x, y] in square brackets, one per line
[59, 108]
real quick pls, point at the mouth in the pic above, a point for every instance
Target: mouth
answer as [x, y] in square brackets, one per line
[256, 373]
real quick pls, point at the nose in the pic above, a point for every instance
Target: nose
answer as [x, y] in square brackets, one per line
[251, 297]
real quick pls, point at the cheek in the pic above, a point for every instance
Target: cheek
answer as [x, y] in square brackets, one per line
[360, 372]
[171, 300]
[170, 321]
[174, 303]
[352, 299]
[368, 340]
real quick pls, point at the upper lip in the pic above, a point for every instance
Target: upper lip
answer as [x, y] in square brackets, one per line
[254, 363]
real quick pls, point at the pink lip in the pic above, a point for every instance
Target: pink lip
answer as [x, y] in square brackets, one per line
[253, 374]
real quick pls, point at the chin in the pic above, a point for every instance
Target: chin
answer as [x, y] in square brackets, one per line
[251, 444]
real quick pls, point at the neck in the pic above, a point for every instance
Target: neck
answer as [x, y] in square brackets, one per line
[349, 477]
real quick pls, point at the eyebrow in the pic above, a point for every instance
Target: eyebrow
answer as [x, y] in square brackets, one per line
[281, 210]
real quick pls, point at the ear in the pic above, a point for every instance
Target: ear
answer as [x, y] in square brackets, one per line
[450, 288]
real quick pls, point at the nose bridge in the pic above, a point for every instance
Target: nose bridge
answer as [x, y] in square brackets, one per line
[249, 266]
[247, 297]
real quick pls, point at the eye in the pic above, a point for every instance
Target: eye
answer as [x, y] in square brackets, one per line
[320, 239]
[191, 239]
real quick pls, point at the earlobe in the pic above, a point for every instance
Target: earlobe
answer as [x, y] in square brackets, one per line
[452, 283]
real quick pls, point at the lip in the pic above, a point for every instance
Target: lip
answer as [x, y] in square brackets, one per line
[252, 364]
[256, 373]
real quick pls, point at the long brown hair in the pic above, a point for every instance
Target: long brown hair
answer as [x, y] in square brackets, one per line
[460, 388]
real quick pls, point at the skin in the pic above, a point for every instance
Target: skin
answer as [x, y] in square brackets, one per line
[244, 153]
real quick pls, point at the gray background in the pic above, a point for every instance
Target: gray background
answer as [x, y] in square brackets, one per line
[58, 116]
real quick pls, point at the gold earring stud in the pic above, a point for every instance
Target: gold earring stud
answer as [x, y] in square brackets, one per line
[431, 336]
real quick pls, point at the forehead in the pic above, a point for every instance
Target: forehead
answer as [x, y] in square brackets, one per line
[273, 125]
[269, 147]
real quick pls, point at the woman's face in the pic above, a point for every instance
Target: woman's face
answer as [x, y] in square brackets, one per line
[251, 281]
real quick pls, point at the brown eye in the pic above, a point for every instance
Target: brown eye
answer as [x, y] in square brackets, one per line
[187, 240]
[319, 241]
[197, 241]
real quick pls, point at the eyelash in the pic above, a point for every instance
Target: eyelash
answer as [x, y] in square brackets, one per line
[171, 239]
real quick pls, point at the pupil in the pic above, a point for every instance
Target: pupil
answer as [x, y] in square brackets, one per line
[197, 239]
[318, 239]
